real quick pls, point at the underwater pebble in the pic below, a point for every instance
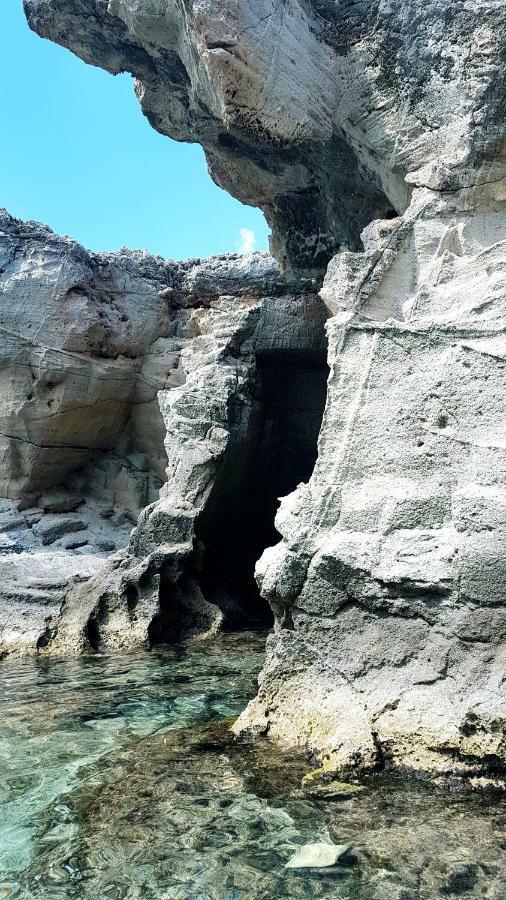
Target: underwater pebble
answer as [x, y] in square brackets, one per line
[317, 856]
[9, 890]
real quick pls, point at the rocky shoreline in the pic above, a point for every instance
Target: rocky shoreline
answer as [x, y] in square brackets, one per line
[372, 136]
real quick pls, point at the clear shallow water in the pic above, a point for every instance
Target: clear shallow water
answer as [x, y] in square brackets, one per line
[118, 780]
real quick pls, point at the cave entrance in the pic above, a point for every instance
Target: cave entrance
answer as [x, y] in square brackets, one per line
[280, 451]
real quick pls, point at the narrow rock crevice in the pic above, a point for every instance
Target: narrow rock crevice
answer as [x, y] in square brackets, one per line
[237, 523]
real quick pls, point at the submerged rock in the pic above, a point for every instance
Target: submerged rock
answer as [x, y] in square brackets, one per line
[317, 856]
[462, 879]
[135, 751]
[322, 783]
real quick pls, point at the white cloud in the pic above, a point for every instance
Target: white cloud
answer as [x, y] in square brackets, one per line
[247, 242]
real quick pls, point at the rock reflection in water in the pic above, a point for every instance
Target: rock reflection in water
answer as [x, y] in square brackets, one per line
[120, 780]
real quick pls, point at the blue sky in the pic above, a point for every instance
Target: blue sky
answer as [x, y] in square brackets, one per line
[77, 154]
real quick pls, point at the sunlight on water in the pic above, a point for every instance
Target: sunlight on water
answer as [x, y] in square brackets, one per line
[118, 779]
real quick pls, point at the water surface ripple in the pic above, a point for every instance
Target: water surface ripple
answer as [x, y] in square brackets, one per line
[118, 779]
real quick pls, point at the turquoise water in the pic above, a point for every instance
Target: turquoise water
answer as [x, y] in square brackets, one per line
[118, 779]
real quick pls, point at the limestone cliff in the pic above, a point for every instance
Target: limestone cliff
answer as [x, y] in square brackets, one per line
[323, 112]
[374, 131]
[81, 434]
[121, 372]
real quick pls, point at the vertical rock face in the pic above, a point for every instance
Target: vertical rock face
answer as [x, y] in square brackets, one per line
[389, 582]
[221, 439]
[121, 372]
[374, 131]
[76, 328]
[81, 434]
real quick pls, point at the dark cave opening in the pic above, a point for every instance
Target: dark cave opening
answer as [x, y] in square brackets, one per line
[279, 452]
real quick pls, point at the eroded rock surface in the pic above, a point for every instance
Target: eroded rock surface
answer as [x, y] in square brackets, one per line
[225, 436]
[388, 585]
[323, 113]
[122, 371]
[81, 434]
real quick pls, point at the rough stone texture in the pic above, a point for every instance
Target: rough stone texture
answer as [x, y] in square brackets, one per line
[388, 585]
[112, 365]
[324, 113]
[81, 436]
[76, 385]
[216, 423]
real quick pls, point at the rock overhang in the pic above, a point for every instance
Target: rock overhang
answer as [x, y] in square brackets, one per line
[323, 114]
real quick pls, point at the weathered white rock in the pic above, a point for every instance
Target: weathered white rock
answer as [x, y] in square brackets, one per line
[388, 585]
[324, 114]
[394, 645]
[216, 425]
[182, 389]
[75, 328]
[317, 856]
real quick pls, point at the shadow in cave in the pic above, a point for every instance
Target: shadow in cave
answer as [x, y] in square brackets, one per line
[279, 452]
